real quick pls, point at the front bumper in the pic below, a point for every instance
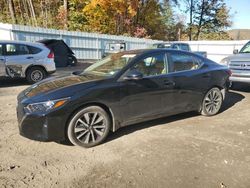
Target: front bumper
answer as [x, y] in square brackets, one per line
[41, 127]
[239, 79]
[240, 76]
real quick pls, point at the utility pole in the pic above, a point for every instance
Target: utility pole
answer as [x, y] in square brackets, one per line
[191, 20]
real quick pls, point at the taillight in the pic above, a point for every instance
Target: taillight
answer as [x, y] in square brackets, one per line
[51, 55]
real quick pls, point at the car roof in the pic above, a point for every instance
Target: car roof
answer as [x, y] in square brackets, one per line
[144, 51]
[171, 43]
[21, 42]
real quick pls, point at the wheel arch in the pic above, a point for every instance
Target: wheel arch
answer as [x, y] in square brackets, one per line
[223, 90]
[31, 66]
[101, 105]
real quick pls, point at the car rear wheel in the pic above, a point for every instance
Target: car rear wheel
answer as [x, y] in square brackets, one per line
[35, 74]
[74, 62]
[212, 102]
[89, 127]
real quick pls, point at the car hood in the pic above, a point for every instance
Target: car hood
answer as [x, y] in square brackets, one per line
[59, 87]
[239, 57]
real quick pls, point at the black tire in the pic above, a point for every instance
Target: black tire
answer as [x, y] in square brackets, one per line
[89, 127]
[72, 61]
[212, 102]
[35, 74]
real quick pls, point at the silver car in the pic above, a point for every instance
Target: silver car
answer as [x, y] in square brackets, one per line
[239, 64]
[33, 61]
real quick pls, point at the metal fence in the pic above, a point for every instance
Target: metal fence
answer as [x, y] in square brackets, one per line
[85, 45]
[92, 45]
[217, 50]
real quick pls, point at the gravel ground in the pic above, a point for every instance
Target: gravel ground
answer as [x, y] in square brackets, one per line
[186, 150]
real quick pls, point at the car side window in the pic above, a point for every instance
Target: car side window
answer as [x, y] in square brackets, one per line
[152, 65]
[33, 50]
[183, 62]
[185, 47]
[16, 49]
[176, 46]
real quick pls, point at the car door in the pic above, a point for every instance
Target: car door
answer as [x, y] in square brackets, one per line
[190, 78]
[17, 58]
[2, 62]
[143, 99]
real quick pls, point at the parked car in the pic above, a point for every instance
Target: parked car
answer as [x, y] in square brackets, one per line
[122, 89]
[63, 55]
[32, 61]
[178, 46]
[239, 63]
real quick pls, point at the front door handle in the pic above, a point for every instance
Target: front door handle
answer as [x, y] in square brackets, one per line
[169, 83]
[29, 57]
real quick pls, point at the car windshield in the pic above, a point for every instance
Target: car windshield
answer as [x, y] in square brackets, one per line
[162, 45]
[110, 65]
[246, 48]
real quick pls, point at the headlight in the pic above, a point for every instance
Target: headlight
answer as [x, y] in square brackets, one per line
[225, 61]
[45, 106]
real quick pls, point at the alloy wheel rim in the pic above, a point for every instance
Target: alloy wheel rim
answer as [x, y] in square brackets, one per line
[36, 75]
[213, 101]
[90, 127]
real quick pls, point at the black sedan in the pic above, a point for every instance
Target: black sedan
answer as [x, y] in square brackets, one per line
[119, 90]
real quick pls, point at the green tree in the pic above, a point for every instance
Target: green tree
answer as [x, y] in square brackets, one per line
[208, 17]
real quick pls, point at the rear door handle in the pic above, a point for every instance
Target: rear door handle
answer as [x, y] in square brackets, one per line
[29, 57]
[169, 83]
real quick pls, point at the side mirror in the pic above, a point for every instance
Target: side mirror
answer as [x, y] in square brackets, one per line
[236, 51]
[133, 75]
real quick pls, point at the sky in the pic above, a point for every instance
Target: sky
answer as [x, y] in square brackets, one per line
[240, 10]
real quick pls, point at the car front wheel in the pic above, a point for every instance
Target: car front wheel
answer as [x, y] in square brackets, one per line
[212, 102]
[89, 127]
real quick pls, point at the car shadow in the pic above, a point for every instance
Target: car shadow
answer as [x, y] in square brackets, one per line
[12, 82]
[147, 124]
[231, 99]
[244, 87]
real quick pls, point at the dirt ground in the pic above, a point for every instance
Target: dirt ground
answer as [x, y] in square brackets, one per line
[183, 151]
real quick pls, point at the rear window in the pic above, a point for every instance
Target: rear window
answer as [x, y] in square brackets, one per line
[34, 50]
[184, 62]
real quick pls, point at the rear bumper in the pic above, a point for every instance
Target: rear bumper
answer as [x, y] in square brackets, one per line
[51, 72]
[50, 65]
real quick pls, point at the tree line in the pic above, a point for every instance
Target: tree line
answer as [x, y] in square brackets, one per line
[155, 19]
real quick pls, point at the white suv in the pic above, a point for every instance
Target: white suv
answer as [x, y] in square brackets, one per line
[33, 61]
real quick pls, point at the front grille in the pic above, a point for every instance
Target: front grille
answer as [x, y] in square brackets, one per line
[239, 65]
